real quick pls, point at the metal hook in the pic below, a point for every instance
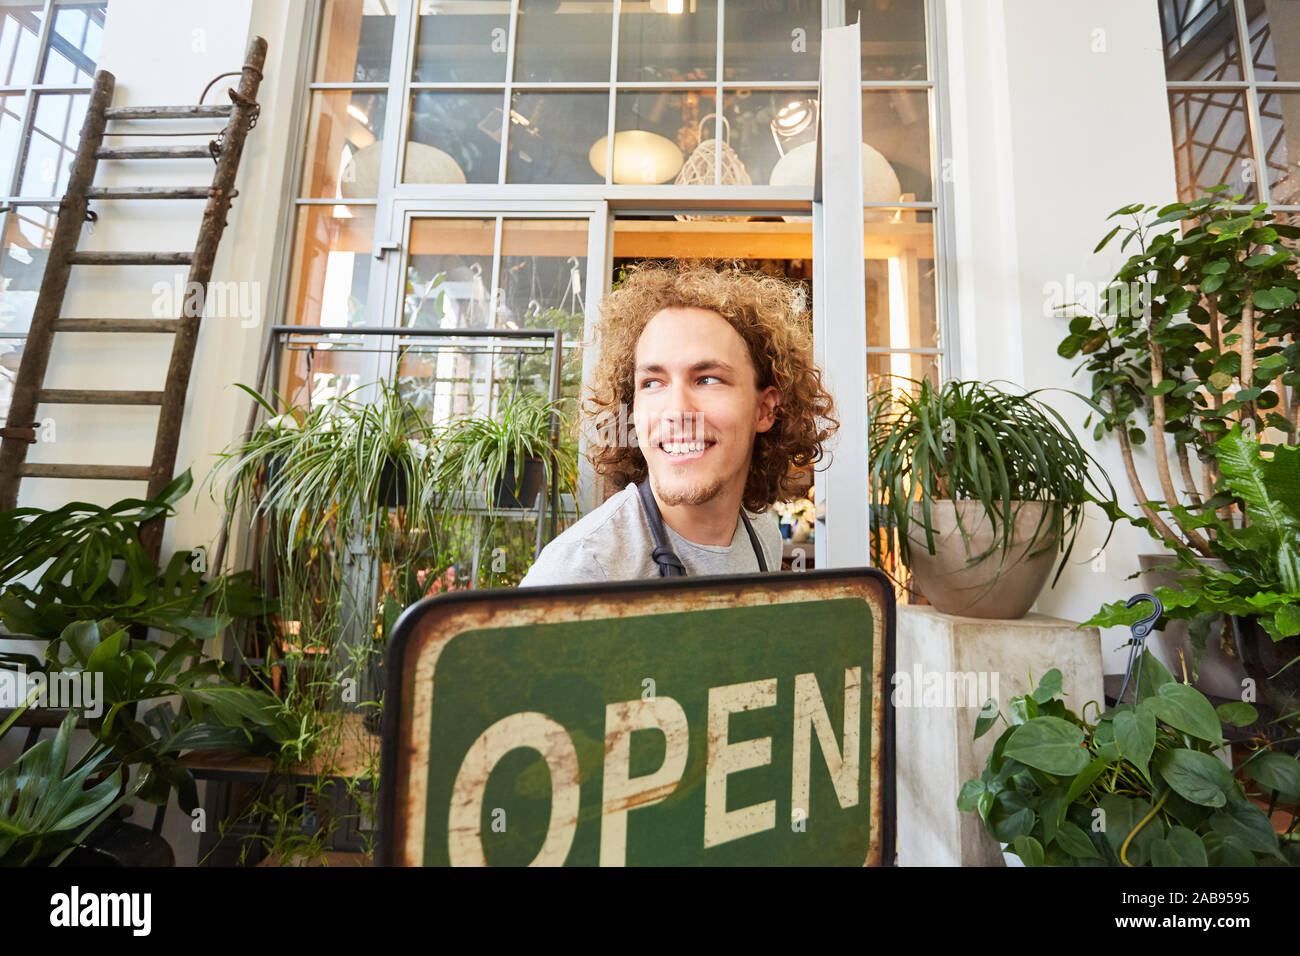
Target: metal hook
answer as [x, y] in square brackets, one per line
[1138, 633]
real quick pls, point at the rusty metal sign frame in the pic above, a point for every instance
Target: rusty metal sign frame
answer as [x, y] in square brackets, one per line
[427, 627]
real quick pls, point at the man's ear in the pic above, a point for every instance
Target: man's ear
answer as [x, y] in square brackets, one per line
[768, 400]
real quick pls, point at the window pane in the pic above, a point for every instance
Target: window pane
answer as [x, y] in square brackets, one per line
[1274, 29]
[460, 252]
[772, 40]
[20, 32]
[53, 143]
[774, 134]
[74, 44]
[553, 135]
[460, 41]
[455, 138]
[344, 143]
[556, 44]
[885, 369]
[1211, 143]
[893, 38]
[356, 42]
[332, 271]
[543, 275]
[1200, 40]
[900, 280]
[11, 126]
[448, 280]
[11, 356]
[26, 243]
[896, 127]
[1278, 113]
[661, 41]
[662, 137]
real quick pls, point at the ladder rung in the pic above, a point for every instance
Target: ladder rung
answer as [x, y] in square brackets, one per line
[130, 258]
[97, 396]
[148, 192]
[115, 325]
[33, 469]
[209, 111]
[153, 152]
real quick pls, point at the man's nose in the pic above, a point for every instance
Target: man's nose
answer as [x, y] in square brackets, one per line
[680, 413]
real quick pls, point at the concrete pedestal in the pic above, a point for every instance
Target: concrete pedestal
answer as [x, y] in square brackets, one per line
[947, 667]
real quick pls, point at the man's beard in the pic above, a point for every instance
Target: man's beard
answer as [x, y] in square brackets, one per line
[694, 493]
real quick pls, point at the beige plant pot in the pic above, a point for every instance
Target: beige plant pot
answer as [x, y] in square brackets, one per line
[1002, 585]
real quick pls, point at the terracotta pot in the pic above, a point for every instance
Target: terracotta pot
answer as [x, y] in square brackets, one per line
[1220, 671]
[1002, 585]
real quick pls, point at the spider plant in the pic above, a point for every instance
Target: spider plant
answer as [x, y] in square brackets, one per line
[480, 453]
[971, 440]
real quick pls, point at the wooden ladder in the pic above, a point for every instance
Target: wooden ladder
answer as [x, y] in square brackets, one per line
[29, 390]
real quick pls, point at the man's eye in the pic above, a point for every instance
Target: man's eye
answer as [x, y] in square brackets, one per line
[714, 377]
[648, 382]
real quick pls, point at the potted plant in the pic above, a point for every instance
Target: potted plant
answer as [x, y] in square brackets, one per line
[78, 578]
[979, 490]
[1198, 329]
[1141, 786]
[509, 455]
[1256, 585]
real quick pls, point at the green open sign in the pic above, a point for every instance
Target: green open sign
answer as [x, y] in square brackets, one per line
[707, 721]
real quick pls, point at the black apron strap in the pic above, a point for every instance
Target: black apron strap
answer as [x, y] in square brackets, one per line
[664, 557]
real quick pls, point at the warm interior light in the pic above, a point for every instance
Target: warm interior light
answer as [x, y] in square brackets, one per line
[358, 114]
[640, 157]
[900, 365]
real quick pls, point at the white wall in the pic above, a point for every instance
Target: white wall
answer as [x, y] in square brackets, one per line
[1061, 119]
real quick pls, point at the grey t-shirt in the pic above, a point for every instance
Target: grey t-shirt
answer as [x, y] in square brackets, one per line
[613, 543]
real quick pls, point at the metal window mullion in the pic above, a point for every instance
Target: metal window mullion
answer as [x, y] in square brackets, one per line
[508, 93]
[43, 41]
[611, 106]
[721, 28]
[496, 294]
[1252, 101]
[391, 164]
[942, 220]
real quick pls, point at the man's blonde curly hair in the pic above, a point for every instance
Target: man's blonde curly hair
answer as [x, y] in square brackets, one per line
[761, 309]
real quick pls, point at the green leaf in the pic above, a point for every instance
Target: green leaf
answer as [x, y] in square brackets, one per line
[1248, 824]
[1048, 687]
[1185, 708]
[1227, 851]
[1135, 738]
[1029, 850]
[969, 796]
[1238, 713]
[1080, 784]
[988, 716]
[1049, 744]
[1278, 297]
[1195, 776]
[1181, 847]
[1154, 674]
[1276, 772]
[1071, 838]
[1123, 814]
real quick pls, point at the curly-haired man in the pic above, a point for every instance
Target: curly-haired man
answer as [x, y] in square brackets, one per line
[726, 407]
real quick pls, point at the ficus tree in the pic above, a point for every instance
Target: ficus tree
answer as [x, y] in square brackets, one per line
[1198, 330]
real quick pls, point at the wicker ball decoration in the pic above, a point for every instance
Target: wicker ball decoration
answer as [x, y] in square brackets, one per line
[698, 168]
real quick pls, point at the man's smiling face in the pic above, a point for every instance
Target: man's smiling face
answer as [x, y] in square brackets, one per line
[697, 406]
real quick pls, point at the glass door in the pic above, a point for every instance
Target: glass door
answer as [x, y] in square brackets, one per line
[510, 268]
